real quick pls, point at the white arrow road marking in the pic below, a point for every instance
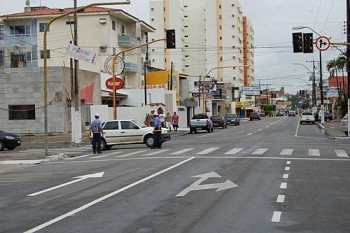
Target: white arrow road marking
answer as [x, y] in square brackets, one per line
[78, 178]
[198, 186]
[105, 197]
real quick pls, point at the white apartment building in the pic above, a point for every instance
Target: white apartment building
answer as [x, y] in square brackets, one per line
[209, 35]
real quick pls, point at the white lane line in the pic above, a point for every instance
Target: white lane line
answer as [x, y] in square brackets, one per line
[280, 198]
[75, 211]
[182, 151]
[341, 153]
[207, 151]
[287, 152]
[267, 126]
[156, 152]
[132, 153]
[260, 151]
[249, 134]
[289, 162]
[234, 151]
[276, 217]
[314, 152]
[287, 169]
[260, 129]
[283, 185]
[285, 176]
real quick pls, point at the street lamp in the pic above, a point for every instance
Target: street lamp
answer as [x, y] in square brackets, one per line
[45, 58]
[313, 82]
[320, 52]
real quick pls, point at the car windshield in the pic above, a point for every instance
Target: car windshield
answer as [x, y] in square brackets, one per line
[200, 116]
[230, 116]
[215, 117]
[307, 113]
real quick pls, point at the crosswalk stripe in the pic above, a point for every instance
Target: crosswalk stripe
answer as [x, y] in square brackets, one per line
[207, 151]
[157, 152]
[182, 151]
[341, 153]
[234, 151]
[314, 152]
[287, 152]
[260, 151]
[132, 153]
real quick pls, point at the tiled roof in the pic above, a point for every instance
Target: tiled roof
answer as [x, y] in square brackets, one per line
[56, 11]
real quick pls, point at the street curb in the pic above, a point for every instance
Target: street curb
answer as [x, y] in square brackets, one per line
[50, 158]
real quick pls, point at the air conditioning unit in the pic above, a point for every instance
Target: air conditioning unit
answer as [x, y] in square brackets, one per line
[103, 48]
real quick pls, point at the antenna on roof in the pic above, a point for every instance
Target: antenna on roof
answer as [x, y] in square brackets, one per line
[27, 3]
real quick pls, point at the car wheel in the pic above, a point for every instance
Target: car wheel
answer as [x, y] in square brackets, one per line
[191, 130]
[149, 141]
[11, 147]
[2, 145]
[103, 144]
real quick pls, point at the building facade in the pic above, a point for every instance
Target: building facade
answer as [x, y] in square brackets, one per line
[213, 38]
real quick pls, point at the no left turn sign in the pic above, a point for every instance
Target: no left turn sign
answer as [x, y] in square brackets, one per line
[323, 43]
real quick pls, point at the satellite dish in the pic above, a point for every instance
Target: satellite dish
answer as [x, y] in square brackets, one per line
[28, 3]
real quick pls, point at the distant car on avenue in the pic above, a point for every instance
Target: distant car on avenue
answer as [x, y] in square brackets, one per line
[9, 140]
[307, 117]
[218, 121]
[291, 113]
[232, 119]
[254, 116]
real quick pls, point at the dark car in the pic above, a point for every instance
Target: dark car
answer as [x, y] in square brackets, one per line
[254, 116]
[9, 140]
[218, 121]
[327, 116]
[232, 119]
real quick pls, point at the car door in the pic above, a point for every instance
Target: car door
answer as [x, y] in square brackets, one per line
[130, 132]
[111, 132]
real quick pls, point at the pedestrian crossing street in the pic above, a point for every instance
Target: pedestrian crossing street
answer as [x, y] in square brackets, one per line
[210, 151]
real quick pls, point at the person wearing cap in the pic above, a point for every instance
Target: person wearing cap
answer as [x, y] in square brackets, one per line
[157, 131]
[96, 130]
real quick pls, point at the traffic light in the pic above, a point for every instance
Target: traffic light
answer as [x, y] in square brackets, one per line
[170, 39]
[297, 42]
[308, 43]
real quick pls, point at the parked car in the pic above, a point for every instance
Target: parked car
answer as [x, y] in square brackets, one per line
[218, 121]
[327, 116]
[9, 140]
[232, 119]
[119, 132]
[254, 116]
[201, 122]
[344, 124]
[291, 113]
[307, 117]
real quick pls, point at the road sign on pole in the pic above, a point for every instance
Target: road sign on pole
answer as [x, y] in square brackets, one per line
[323, 43]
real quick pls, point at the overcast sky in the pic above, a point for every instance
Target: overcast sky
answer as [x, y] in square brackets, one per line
[272, 21]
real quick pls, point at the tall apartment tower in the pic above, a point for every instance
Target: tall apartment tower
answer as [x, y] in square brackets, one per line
[248, 52]
[210, 38]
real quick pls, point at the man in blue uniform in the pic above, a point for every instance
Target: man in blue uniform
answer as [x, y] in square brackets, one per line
[96, 130]
[157, 131]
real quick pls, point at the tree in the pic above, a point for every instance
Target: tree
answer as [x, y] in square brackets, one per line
[341, 64]
[331, 67]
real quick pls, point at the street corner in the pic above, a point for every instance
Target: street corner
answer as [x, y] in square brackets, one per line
[27, 157]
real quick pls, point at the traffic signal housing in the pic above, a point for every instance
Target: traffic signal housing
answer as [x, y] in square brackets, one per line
[308, 43]
[170, 39]
[297, 42]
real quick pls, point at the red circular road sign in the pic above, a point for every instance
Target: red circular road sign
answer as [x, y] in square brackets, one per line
[323, 43]
[119, 83]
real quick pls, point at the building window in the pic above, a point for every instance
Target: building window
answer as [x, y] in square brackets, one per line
[1, 58]
[42, 54]
[23, 30]
[1, 32]
[21, 112]
[69, 22]
[42, 27]
[28, 56]
[113, 25]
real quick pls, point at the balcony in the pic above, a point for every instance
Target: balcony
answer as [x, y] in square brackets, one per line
[130, 67]
[127, 41]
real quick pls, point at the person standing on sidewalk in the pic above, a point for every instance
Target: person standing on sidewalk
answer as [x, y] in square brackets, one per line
[96, 130]
[157, 131]
[175, 121]
[168, 121]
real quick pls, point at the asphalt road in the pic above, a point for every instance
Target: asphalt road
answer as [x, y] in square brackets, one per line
[272, 175]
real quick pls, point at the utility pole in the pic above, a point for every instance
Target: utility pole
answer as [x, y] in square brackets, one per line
[348, 53]
[76, 115]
